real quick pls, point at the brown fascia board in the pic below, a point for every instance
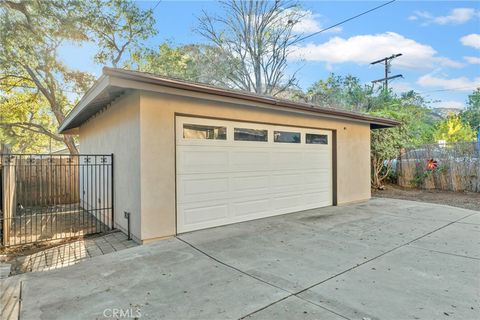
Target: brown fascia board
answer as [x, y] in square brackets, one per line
[142, 77]
[202, 88]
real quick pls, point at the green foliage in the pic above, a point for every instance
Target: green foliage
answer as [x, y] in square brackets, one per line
[342, 92]
[452, 129]
[471, 115]
[199, 63]
[167, 61]
[38, 89]
[386, 144]
[118, 27]
[410, 109]
[422, 174]
[22, 108]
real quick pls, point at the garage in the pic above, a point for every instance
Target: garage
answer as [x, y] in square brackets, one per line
[229, 171]
[189, 156]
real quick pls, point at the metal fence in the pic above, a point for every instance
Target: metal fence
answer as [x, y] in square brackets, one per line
[50, 197]
[451, 166]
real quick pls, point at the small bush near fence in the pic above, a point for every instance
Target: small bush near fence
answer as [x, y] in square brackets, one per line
[453, 166]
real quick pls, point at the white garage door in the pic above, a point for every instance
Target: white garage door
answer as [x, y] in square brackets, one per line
[229, 171]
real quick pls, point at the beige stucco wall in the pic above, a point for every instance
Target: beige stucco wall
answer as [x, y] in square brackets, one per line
[117, 130]
[139, 129]
[157, 135]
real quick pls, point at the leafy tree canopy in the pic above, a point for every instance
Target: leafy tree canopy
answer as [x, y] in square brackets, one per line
[34, 78]
[199, 63]
[452, 129]
[471, 115]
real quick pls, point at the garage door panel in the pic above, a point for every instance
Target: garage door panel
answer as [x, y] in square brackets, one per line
[204, 213]
[198, 160]
[317, 159]
[317, 176]
[287, 201]
[248, 186]
[286, 160]
[317, 197]
[320, 189]
[248, 182]
[248, 207]
[228, 181]
[244, 160]
[286, 181]
[201, 189]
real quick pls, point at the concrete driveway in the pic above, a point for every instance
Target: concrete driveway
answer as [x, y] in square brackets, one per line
[383, 259]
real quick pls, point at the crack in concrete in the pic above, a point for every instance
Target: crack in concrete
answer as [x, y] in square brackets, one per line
[290, 294]
[295, 294]
[442, 252]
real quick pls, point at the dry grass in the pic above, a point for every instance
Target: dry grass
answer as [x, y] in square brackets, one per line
[466, 200]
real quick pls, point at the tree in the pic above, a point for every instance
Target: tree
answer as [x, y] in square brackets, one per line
[256, 38]
[452, 129]
[386, 145]
[119, 29]
[199, 63]
[31, 33]
[26, 107]
[471, 115]
[342, 92]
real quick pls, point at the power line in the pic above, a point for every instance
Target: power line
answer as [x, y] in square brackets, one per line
[387, 62]
[346, 20]
[450, 89]
[155, 7]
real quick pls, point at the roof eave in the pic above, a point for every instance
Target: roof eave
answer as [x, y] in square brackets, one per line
[99, 86]
[106, 84]
[146, 78]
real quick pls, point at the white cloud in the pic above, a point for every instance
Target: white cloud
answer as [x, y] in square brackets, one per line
[400, 86]
[472, 60]
[457, 84]
[309, 22]
[363, 49]
[451, 104]
[456, 16]
[471, 40]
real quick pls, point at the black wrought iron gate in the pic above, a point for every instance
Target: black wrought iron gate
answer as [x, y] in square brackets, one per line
[49, 197]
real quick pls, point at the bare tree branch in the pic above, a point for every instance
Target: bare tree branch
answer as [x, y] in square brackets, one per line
[256, 36]
[33, 127]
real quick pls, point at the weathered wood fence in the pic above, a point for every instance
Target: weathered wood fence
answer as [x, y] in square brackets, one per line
[46, 196]
[457, 167]
[46, 181]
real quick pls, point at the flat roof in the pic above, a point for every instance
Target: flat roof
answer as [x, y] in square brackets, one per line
[109, 87]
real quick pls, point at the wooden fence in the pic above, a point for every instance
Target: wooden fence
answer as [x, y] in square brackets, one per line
[44, 181]
[453, 166]
[47, 197]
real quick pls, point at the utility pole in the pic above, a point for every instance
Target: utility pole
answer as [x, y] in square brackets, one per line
[387, 61]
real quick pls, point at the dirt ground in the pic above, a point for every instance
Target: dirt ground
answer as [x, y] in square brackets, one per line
[467, 200]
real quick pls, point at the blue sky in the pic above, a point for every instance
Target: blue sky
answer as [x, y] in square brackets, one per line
[440, 42]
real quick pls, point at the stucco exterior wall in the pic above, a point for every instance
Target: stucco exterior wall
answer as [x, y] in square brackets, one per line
[117, 131]
[157, 140]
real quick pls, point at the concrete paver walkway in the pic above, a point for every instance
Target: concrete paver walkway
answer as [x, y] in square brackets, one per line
[71, 253]
[383, 259]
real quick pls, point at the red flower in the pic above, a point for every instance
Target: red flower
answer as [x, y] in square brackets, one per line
[432, 164]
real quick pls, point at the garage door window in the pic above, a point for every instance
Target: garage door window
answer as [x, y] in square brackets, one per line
[243, 134]
[196, 131]
[286, 137]
[316, 138]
